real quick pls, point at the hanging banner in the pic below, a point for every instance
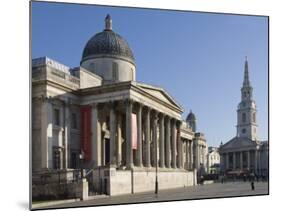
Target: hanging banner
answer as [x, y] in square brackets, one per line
[134, 132]
[85, 137]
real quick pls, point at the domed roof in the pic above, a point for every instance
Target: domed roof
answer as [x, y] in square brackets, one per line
[108, 43]
[190, 116]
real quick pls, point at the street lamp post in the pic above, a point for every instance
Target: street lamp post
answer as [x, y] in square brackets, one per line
[81, 157]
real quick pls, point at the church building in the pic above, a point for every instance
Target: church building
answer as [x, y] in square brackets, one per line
[245, 153]
[97, 127]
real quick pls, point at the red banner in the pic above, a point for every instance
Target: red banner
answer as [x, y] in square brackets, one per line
[134, 132]
[85, 136]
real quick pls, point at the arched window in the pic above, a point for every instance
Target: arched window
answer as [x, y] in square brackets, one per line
[244, 130]
[115, 71]
[243, 117]
[254, 117]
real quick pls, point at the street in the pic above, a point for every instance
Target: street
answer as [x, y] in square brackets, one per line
[193, 192]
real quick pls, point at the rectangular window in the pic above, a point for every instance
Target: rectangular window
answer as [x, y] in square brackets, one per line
[115, 71]
[73, 121]
[56, 116]
[74, 159]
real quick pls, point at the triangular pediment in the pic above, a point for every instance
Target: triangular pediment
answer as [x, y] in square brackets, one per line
[238, 142]
[159, 93]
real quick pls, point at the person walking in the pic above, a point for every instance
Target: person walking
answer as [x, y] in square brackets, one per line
[253, 185]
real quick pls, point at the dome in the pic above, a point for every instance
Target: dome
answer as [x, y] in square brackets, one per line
[108, 44]
[190, 116]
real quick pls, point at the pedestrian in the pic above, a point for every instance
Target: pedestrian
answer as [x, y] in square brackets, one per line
[253, 185]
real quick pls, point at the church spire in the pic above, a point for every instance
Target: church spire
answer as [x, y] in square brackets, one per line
[246, 81]
[246, 113]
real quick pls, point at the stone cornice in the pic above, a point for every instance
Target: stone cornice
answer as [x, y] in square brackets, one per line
[128, 85]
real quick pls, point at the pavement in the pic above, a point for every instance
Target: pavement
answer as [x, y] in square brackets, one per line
[215, 190]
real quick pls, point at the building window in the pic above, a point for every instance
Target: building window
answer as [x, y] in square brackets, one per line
[73, 121]
[132, 73]
[244, 130]
[57, 116]
[74, 160]
[254, 117]
[115, 71]
[243, 117]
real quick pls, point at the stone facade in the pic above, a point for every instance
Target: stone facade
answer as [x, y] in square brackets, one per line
[213, 161]
[84, 119]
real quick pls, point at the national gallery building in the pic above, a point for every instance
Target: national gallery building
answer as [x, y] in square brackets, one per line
[96, 125]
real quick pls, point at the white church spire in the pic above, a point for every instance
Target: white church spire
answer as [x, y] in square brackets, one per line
[246, 113]
[246, 81]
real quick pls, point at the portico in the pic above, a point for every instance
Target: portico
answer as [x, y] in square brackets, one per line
[120, 147]
[155, 122]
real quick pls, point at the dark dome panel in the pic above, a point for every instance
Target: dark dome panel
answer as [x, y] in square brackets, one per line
[110, 43]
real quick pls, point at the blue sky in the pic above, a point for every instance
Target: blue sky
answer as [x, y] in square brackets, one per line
[198, 58]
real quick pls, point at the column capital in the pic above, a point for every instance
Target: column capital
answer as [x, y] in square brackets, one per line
[46, 98]
[166, 117]
[112, 103]
[140, 105]
[178, 123]
[95, 105]
[129, 101]
[148, 109]
[66, 101]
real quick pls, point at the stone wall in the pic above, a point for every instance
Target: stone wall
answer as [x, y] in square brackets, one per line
[60, 191]
[117, 182]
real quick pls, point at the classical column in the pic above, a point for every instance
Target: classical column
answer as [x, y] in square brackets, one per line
[241, 160]
[191, 159]
[61, 136]
[168, 143]
[234, 161]
[139, 144]
[154, 135]
[112, 123]
[161, 142]
[119, 141]
[249, 160]
[227, 161]
[256, 161]
[197, 157]
[187, 154]
[179, 147]
[66, 133]
[96, 137]
[129, 151]
[174, 160]
[147, 138]
[46, 133]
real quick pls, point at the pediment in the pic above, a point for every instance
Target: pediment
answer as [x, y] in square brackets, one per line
[159, 93]
[238, 142]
